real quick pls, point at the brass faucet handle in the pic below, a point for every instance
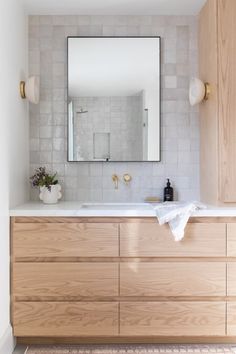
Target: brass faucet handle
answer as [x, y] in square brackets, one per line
[127, 178]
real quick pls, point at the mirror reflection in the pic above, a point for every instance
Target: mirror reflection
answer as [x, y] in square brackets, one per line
[113, 99]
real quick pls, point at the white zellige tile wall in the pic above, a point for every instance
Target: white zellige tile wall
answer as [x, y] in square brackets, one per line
[180, 126]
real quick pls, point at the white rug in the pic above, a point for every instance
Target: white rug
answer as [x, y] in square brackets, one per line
[131, 349]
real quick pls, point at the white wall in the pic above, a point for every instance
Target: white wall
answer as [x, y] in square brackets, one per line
[13, 141]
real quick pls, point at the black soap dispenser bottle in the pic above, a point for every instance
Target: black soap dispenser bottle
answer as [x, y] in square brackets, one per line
[168, 192]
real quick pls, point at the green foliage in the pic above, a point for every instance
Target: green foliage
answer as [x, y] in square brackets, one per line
[43, 179]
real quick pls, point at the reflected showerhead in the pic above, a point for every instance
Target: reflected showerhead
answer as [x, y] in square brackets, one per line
[81, 111]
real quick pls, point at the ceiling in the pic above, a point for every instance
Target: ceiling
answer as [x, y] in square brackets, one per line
[113, 7]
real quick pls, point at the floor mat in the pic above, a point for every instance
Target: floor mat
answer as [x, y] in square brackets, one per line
[131, 349]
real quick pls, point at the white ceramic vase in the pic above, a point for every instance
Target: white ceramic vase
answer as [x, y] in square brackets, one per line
[50, 196]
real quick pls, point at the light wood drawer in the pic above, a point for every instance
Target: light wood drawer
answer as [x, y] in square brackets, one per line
[65, 240]
[60, 319]
[65, 279]
[231, 240]
[172, 318]
[173, 279]
[231, 279]
[153, 240]
[231, 318]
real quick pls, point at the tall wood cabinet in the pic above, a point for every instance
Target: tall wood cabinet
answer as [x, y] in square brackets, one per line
[217, 65]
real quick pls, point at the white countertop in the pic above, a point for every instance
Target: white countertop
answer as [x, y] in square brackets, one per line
[74, 209]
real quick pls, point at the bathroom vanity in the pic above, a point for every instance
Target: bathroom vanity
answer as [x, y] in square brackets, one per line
[113, 275]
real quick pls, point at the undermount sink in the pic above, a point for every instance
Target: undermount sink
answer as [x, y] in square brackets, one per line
[116, 206]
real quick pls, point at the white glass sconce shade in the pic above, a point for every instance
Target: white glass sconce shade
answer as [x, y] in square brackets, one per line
[198, 91]
[30, 89]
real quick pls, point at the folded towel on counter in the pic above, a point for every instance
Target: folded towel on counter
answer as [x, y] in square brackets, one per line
[176, 214]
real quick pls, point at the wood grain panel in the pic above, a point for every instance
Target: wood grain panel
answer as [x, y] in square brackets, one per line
[153, 240]
[65, 279]
[175, 279]
[65, 240]
[231, 279]
[227, 102]
[172, 319]
[231, 318]
[231, 240]
[208, 54]
[62, 319]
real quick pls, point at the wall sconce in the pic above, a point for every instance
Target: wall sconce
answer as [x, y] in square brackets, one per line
[30, 89]
[198, 91]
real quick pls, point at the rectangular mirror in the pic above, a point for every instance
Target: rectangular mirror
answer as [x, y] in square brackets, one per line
[113, 98]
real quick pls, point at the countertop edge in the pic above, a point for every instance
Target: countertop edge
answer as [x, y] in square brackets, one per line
[111, 213]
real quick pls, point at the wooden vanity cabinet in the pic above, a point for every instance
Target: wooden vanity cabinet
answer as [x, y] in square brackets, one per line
[122, 280]
[217, 66]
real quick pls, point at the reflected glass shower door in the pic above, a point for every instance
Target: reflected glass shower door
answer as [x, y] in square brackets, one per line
[145, 134]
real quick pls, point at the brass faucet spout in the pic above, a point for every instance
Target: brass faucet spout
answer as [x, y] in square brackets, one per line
[115, 179]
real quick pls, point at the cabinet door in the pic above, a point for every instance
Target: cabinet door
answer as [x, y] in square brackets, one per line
[231, 319]
[227, 101]
[65, 319]
[231, 240]
[231, 279]
[172, 318]
[153, 240]
[66, 280]
[173, 279]
[65, 240]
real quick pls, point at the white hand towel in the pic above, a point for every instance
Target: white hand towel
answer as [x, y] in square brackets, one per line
[176, 214]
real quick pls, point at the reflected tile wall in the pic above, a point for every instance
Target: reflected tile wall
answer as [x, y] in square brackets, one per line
[120, 117]
[180, 123]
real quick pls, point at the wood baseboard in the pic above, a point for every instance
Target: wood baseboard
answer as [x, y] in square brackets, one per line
[127, 340]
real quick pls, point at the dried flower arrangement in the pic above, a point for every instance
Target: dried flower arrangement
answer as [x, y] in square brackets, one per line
[43, 179]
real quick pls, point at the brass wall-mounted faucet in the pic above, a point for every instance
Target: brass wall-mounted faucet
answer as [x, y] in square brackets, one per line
[126, 178]
[115, 179]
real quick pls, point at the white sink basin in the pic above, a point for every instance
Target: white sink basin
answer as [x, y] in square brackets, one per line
[116, 206]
